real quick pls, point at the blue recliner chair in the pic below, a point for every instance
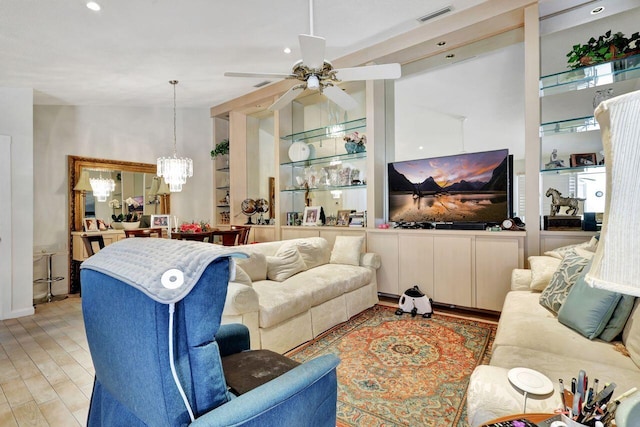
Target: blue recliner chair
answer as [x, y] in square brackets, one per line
[128, 291]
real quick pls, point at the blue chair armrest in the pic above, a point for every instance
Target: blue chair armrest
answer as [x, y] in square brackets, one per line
[233, 338]
[304, 396]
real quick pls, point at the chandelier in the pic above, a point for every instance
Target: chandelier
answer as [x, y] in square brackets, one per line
[102, 187]
[175, 170]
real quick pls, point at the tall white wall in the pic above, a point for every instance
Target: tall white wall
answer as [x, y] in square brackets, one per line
[16, 122]
[131, 134]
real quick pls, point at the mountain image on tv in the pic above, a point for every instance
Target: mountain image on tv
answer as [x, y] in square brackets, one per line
[469, 187]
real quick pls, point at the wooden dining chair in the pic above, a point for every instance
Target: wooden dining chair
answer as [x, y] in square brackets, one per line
[243, 237]
[143, 232]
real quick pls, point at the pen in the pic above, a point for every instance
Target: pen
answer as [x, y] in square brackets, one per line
[564, 402]
[595, 386]
[573, 385]
[626, 394]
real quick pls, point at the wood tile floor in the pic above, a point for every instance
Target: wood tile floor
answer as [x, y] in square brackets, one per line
[46, 373]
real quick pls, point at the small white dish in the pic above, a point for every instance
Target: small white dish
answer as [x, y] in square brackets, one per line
[299, 151]
[530, 381]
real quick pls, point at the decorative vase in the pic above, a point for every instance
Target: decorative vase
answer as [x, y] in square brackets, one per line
[350, 146]
[360, 148]
[130, 225]
[116, 225]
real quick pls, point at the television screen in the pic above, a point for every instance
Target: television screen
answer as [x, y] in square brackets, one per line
[469, 187]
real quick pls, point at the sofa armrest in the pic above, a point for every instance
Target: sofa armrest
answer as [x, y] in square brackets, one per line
[240, 299]
[370, 260]
[520, 279]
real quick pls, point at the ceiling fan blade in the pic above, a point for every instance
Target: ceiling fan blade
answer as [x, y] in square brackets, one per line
[312, 49]
[265, 75]
[285, 99]
[369, 72]
[340, 97]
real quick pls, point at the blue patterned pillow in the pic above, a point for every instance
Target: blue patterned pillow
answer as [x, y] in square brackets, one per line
[565, 276]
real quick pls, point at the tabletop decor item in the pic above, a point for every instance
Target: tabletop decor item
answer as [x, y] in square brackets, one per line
[355, 143]
[220, 149]
[606, 47]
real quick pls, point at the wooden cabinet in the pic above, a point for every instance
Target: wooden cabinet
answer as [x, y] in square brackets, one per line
[262, 233]
[79, 251]
[458, 268]
[452, 270]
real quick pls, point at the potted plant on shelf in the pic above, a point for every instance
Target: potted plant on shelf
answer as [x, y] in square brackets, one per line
[607, 47]
[116, 220]
[221, 149]
[355, 143]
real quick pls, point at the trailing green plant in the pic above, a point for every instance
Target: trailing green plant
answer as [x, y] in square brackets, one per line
[606, 47]
[221, 148]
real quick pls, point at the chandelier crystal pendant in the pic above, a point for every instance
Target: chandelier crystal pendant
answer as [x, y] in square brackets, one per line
[175, 170]
[102, 187]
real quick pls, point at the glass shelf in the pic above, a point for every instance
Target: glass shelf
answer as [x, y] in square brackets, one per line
[593, 168]
[581, 124]
[334, 131]
[338, 158]
[591, 76]
[327, 188]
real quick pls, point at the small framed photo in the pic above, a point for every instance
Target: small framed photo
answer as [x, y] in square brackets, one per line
[311, 215]
[343, 218]
[102, 226]
[90, 224]
[586, 159]
[160, 221]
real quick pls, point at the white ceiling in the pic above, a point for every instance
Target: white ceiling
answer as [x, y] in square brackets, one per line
[125, 54]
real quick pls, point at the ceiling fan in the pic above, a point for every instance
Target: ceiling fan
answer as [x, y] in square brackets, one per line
[316, 73]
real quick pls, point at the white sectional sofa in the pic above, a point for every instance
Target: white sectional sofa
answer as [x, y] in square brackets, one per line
[289, 292]
[529, 335]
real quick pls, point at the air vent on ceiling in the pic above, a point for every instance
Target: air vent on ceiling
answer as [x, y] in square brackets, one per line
[435, 14]
[264, 83]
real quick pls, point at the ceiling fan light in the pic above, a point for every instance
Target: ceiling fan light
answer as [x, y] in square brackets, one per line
[313, 82]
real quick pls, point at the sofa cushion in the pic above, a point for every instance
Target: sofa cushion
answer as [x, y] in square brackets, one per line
[565, 276]
[331, 280]
[280, 301]
[314, 250]
[587, 310]
[285, 264]
[242, 277]
[619, 318]
[542, 270]
[346, 250]
[631, 334]
[559, 253]
[255, 266]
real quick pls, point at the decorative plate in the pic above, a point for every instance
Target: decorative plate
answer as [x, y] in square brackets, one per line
[299, 151]
[530, 381]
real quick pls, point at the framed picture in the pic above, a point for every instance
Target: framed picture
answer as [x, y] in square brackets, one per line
[586, 159]
[160, 221]
[90, 224]
[343, 218]
[102, 226]
[311, 215]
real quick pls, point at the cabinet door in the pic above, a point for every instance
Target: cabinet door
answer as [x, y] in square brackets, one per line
[452, 268]
[386, 245]
[260, 234]
[495, 259]
[416, 262]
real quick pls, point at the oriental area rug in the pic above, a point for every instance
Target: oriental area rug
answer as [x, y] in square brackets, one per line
[403, 370]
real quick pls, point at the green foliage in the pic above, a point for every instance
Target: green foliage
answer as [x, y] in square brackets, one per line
[606, 47]
[221, 148]
[117, 218]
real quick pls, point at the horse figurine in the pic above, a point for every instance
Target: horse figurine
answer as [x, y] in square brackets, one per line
[557, 201]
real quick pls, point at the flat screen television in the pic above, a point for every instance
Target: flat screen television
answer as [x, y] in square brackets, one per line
[468, 187]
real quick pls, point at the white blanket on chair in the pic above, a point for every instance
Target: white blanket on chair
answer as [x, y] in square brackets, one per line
[165, 270]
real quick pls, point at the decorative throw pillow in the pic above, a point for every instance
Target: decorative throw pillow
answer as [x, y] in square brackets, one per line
[619, 319]
[346, 250]
[542, 269]
[562, 251]
[314, 250]
[242, 277]
[587, 310]
[255, 266]
[285, 265]
[565, 276]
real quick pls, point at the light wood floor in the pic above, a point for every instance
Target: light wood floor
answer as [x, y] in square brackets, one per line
[46, 373]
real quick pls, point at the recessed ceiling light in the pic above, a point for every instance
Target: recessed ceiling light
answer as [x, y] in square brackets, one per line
[420, 147]
[597, 10]
[93, 6]
[451, 55]
[442, 43]
[287, 50]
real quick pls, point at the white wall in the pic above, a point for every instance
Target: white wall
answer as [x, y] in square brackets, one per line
[131, 134]
[16, 121]
[486, 90]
